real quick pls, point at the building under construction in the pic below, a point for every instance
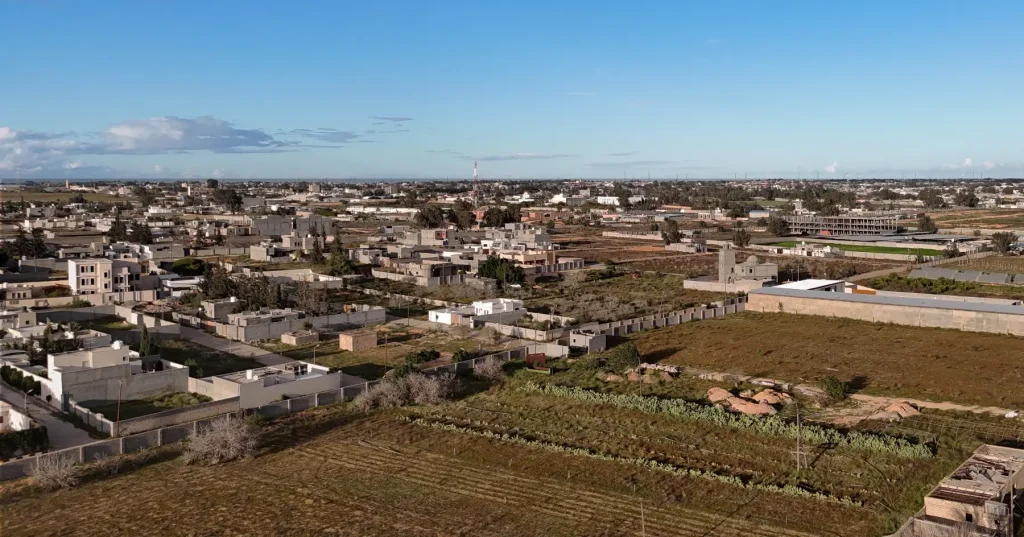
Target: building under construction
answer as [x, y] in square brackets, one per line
[842, 225]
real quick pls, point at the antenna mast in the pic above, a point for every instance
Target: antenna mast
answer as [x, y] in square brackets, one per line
[476, 184]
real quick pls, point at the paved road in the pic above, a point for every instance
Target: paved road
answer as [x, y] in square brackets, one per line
[264, 357]
[62, 434]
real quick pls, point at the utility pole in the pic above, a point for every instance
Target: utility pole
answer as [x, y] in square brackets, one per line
[801, 461]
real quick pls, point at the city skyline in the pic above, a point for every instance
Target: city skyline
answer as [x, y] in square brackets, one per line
[401, 90]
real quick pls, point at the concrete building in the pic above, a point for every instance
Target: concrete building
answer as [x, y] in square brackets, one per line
[105, 373]
[973, 501]
[269, 324]
[257, 387]
[357, 340]
[833, 286]
[457, 316]
[13, 419]
[729, 271]
[220, 308]
[300, 337]
[908, 309]
[497, 305]
[94, 275]
[842, 225]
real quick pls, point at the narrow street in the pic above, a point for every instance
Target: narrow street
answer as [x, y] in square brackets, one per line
[62, 433]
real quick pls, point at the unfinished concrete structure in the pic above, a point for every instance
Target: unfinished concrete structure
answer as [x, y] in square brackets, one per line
[973, 501]
[842, 225]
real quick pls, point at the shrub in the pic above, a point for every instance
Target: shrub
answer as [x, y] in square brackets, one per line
[225, 439]
[56, 471]
[491, 369]
[462, 355]
[834, 388]
[432, 390]
[623, 357]
[413, 389]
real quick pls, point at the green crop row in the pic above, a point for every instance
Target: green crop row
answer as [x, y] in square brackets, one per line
[642, 462]
[766, 425]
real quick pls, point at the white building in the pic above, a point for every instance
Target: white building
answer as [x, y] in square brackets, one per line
[257, 387]
[95, 275]
[496, 305]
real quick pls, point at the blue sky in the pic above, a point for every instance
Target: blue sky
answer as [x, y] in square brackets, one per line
[528, 89]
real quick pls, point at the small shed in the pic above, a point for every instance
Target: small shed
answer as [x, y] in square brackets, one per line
[300, 337]
[357, 340]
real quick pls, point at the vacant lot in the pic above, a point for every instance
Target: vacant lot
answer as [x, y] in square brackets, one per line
[133, 408]
[929, 363]
[943, 286]
[373, 363]
[334, 471]
[203, 361]
[621, 297]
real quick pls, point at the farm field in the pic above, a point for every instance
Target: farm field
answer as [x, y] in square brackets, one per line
[925, 363]
[133, 408]
[996, 263]
[447, 470]
[868, 249]
[620, 297]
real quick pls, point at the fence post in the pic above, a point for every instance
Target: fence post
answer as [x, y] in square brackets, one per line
[120, 445]
[160, 437]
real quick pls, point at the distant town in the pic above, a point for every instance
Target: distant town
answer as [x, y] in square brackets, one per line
[834, 357]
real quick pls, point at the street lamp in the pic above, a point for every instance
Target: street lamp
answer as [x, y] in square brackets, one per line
[314, 353]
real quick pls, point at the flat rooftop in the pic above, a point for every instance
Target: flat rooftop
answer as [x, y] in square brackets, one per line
[926, 301]
[982, 477]
[809, 284]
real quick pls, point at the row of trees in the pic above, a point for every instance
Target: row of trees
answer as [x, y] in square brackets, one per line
[140, 233]
[254, 290]
[461, 215]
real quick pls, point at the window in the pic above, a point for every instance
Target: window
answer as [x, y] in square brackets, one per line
[970, 517]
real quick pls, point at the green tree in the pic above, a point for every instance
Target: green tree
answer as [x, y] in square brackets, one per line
[925, 223]
[118, 229]
[778, 226]
[502, 270]
[623, 357]
[147, 347]
[741, 237]
[430, 216]
[189, 266]
[671, 233]
[494, 217]
[141, 234]
[1003, 241]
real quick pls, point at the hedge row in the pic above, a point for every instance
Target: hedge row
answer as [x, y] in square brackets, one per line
[642, 462]
[765, 425]
[26, 441]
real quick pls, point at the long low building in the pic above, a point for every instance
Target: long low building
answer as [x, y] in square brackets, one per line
[907, 309]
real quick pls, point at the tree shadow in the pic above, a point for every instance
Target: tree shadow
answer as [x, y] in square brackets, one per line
[857, 384]
[661, 354]
[367, 371]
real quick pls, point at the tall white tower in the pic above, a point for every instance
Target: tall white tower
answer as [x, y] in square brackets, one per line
[476, 185]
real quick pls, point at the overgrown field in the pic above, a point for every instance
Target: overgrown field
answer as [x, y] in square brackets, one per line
[620, 297]
[507, 461]
[373, 363]
[945, 286]
[928, 363]
[981, 218]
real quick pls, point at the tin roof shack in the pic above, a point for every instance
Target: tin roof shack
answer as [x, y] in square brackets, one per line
[975, 499]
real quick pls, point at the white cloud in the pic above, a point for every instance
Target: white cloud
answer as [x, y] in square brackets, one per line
[988, 164]
[832, 168]
[967, 162]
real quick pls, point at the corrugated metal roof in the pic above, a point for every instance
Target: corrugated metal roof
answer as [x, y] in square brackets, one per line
[938, 301]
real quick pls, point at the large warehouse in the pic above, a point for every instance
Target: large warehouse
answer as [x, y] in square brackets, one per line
[960, 313]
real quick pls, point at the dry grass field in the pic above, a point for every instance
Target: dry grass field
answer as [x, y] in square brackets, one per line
[621, 297]
[47, 197]
[980, 218]
[455, 470]
[928, 363]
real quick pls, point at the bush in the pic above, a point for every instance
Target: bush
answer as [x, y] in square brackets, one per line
[834, 388]
[623, 357]
[462, 355]
[432, 390]
[413, 389]
[23, 442]
[491, 369]
[56, 471]
[225, 439]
